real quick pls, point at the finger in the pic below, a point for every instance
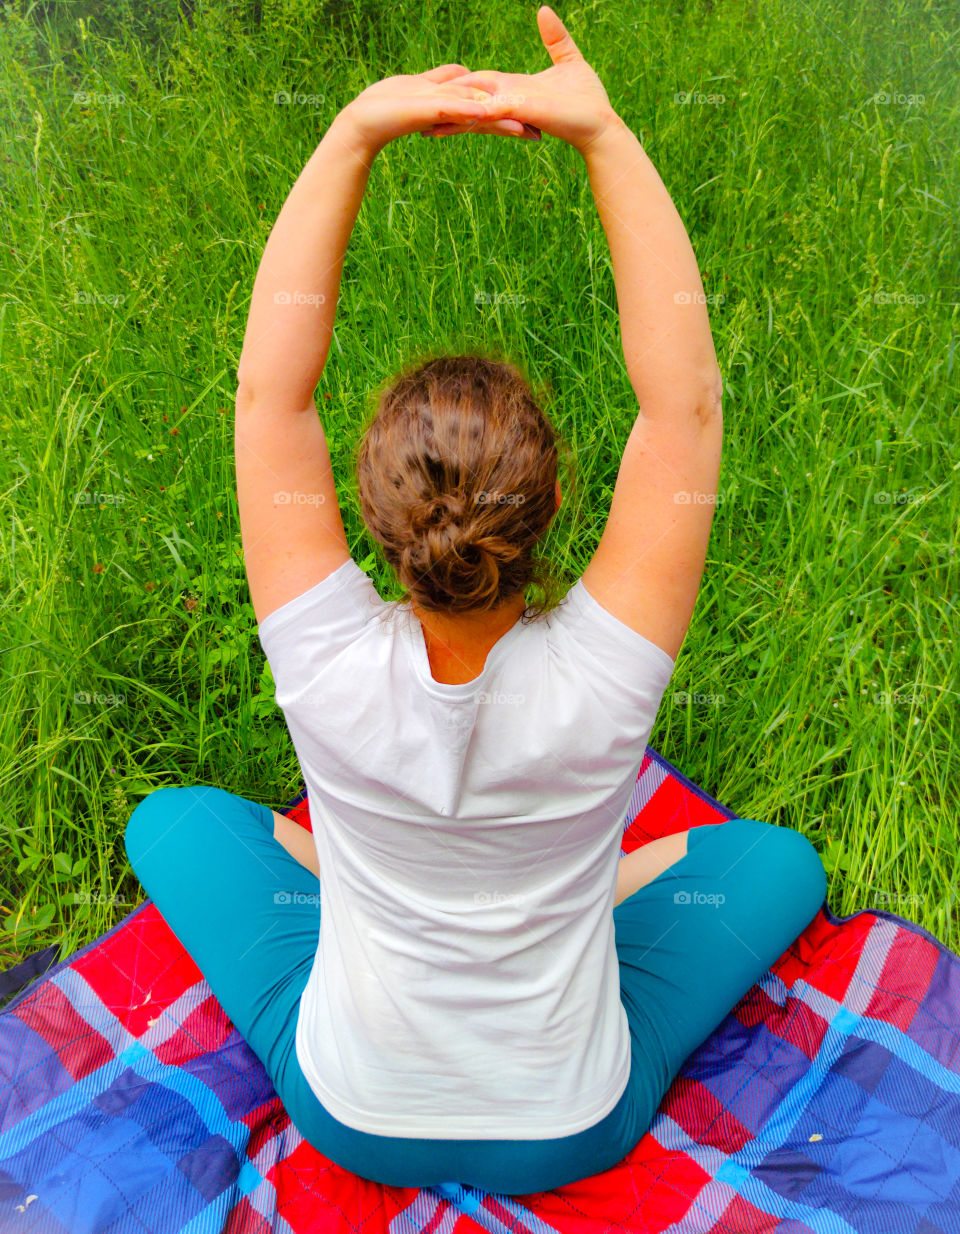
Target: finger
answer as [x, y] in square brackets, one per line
[485, 79]
[513, 127]
[446, 130]
[455, 90]
[526, 132]
[445, 72]
[556, 37]
[476, 105]
[503, 106]
[447, 109]
[534, 109]
[505, 126]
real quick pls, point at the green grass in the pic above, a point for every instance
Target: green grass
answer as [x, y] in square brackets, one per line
[820, 665]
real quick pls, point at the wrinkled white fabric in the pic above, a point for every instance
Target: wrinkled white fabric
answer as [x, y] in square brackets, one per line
[465, 984]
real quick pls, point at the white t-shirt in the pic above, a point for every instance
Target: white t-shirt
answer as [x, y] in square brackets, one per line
[465, 983]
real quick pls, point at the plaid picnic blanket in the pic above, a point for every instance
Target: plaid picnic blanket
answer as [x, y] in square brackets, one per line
[827, 1101]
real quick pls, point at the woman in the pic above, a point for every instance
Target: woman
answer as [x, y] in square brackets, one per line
[490, 995]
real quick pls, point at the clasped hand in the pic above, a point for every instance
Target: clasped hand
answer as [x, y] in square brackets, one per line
[567, 100]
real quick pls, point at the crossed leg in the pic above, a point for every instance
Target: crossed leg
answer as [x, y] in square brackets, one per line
[693, 939]
[297, 841]
[648, 862]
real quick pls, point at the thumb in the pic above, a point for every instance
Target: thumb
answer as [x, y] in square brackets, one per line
[555, 37]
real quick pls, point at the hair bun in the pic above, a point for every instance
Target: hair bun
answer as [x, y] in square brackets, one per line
[436, 513]
[448, 433]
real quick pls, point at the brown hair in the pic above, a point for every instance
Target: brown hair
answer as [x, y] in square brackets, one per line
[456, 475]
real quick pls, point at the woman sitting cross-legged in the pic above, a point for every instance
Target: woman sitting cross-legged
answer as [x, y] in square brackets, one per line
[456, 978]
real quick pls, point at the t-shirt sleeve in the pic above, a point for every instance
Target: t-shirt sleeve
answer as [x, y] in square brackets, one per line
[625, 664]
[302, 636]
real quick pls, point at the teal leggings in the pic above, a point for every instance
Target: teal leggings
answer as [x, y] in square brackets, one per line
[690, 945]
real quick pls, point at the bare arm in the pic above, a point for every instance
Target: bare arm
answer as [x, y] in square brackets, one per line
[666, 334]
[293, 534]
[647, 567]
[667, 344]
[294, 300]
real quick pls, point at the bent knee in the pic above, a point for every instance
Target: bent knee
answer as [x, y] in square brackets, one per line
[190, 819]
[788, 862]
[154, 818]
[148, 821]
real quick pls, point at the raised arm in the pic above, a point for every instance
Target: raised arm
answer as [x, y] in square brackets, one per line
[293, 535]
[647, 567]
[648, 564]
[667, 344]
[290, 522]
